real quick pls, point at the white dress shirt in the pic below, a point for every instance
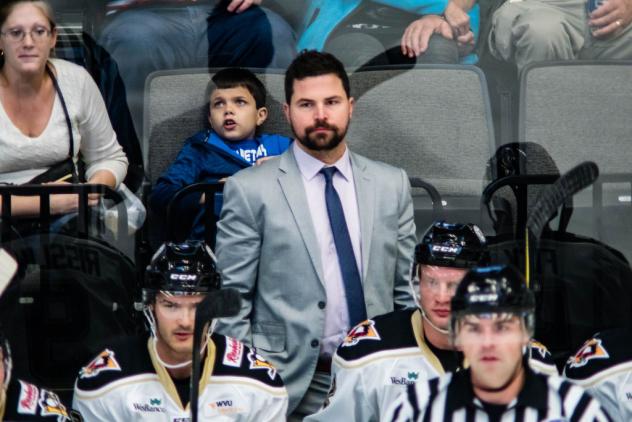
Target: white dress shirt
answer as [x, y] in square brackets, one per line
[336, 311]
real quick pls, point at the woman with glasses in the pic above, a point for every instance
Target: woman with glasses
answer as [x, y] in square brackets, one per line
[51, 112]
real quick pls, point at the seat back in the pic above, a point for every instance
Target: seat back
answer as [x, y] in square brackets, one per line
[579, 111]
[435, 122]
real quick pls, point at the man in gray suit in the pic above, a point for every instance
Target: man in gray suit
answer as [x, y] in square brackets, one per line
[317, 239]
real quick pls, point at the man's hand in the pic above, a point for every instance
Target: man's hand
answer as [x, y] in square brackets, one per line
[417, 34]
[611, 17]
[239, 6]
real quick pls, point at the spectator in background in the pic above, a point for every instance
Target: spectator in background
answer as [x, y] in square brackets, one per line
[145, 36]
[534, 30]
[237, 108]
[392, 31]
[51, 110]
[315, 240]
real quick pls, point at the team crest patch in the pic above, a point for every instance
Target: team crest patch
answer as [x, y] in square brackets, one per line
[363, 331]
[592, 349]
[233, 353]
[104, 362]
[27, 402]
[51, 406]
[258, 362]
[540, 348]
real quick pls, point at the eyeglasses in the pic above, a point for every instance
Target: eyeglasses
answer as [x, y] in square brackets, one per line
[38, 34]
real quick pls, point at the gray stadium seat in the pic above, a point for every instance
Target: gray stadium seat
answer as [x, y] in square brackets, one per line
[580, 111]
[435, 122]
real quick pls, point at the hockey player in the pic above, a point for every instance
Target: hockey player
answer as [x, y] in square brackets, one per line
[20, 400]
[379, 357]
[492, 322]
[149, 379]
[603, 366]
[23, 401]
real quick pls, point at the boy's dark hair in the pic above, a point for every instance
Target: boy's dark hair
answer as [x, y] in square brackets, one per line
[311, 63]
[232, 77]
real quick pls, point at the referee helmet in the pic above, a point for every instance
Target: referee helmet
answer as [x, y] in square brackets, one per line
[498, 289]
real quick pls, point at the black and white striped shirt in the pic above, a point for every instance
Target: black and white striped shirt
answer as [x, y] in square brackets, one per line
[451, 398]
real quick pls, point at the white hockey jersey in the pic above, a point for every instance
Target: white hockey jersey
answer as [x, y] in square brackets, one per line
[126, 383]
[379, 358]
[603, 366]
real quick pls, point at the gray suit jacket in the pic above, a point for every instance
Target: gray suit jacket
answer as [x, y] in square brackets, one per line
[268, 250]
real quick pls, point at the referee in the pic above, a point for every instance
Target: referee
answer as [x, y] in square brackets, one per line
[492, 322]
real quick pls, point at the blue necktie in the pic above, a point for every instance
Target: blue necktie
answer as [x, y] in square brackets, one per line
[344, 249]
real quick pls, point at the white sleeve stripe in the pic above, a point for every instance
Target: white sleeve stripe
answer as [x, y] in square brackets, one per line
[94, 394]
[232, 380]
[598, 377]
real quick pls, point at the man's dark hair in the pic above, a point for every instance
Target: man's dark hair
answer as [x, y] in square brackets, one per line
[311, 63]
[233, 77]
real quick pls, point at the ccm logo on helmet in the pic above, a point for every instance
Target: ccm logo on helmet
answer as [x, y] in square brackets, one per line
[184, 277]
[446, 249]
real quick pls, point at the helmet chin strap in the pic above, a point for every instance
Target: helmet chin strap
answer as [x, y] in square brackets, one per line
[418, 303]
[152, 325]
[441, 330]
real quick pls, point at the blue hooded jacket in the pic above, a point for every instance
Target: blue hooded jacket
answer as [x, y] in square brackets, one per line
[205, 157]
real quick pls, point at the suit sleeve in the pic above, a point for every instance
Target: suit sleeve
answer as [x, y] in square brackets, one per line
[406, 239]
[238, 248]
[350, 398]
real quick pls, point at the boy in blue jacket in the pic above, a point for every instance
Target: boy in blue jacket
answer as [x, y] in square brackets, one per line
[237, 109]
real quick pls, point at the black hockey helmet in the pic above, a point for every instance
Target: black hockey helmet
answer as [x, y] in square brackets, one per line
[493, 290]
[451, 245]
[186, 268]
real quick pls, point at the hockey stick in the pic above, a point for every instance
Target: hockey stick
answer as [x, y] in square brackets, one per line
[551, 198]
[219, 304]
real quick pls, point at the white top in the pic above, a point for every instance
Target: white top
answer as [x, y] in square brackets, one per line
[336, 312]
[24, 157]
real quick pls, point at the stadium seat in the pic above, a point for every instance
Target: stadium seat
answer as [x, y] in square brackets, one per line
[580, 111]
[435, 122]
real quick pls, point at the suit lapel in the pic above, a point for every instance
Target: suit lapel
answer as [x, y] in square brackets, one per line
[365, 192]
[291, 182]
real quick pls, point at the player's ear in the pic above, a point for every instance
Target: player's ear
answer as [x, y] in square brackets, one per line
[262, 115]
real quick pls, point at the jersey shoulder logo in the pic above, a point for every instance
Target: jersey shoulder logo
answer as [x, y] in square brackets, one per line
[51, 406]
[233, 353]
[258, 362]
[592, 349]
[27, 402]
[364, 331]
[104, 362]
[540, 349]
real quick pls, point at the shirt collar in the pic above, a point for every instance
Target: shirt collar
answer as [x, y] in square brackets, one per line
[310, 166]
[534, 392]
